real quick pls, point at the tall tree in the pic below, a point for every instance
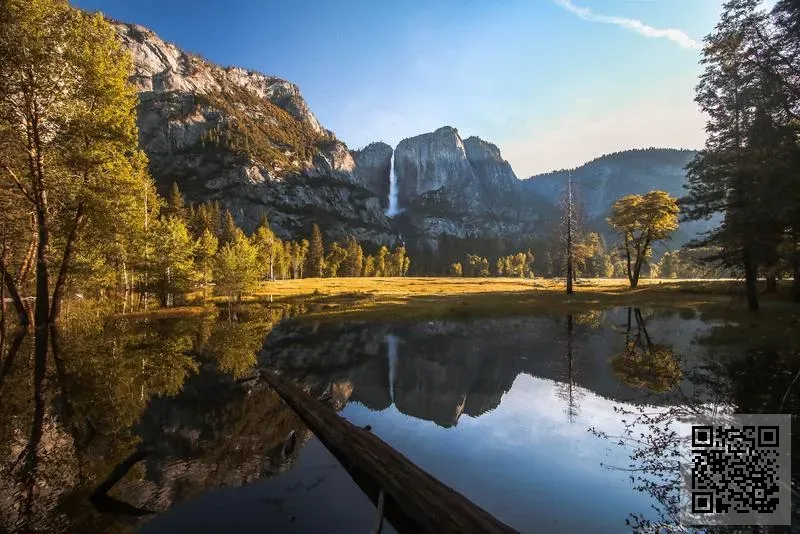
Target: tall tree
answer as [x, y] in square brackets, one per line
[570, 224]
[228, 230]
[176, 205]
[68, 137]
[316, 253]
[643, 221]
[722, 178]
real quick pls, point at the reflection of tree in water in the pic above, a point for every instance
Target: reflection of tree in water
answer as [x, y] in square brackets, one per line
[568, 390]
[757, 382]
[644, 364]
[126, 389]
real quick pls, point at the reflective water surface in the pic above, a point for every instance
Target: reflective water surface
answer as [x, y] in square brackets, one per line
[550, 423]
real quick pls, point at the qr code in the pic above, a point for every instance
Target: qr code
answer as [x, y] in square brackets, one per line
[739, 471]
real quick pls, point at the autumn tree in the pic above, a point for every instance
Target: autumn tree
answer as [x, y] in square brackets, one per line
[643, 220]
[455, 269]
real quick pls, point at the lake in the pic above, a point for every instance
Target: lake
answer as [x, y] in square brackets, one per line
[528, 417]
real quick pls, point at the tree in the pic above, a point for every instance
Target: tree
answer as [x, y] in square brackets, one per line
[176, 206]
[267, 245]
[334, 260]
[369, 266]
[354, 260]
[68, 138]
[455, 269]
[236, 269]
[172, 267]
[316, 253]
[228, 230]
[204, 250]
[642, 221]
[570, 221]
[741, 173]
[381, 262]
[397, 264]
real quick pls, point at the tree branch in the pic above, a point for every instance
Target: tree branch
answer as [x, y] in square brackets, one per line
[19, 184]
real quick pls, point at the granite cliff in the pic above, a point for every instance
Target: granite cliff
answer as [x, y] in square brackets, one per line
[251, 142]
[247, 140]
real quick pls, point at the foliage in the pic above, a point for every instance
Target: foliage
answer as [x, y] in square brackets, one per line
[455, 269]
[236, 269]
[643, 220]
[750, 90]
[172, 270]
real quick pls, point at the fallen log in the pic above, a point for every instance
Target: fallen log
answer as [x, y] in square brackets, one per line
[414, 500]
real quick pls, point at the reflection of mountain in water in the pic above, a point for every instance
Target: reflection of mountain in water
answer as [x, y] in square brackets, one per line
[444, 369]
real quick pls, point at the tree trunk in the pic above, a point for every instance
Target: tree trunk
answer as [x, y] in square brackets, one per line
[750, 274]
[19, 306]
[772, 283]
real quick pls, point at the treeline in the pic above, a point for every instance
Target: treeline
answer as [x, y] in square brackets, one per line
[200, 246]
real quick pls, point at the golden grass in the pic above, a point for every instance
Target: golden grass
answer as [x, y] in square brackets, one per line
[421, 298]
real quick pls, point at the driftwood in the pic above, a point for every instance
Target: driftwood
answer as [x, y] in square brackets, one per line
[414, 501]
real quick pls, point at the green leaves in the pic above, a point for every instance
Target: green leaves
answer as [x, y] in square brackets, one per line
[643, 220]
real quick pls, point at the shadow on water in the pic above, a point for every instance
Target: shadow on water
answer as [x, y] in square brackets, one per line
[165, 421]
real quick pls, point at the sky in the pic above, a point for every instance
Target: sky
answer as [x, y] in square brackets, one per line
[553, 83]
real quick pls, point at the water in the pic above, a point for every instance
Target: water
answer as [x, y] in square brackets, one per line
[393, 208]
[518, 414]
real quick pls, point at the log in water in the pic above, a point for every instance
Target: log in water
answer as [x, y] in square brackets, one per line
[414, 500]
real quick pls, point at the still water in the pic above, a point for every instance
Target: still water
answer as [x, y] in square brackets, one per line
[529, 417]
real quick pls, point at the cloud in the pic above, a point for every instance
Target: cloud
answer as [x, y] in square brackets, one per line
[677, 36]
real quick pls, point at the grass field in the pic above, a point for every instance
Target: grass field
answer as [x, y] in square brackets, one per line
[419, 298]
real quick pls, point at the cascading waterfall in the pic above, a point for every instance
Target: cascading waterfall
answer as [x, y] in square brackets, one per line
[392, 210]
[391, 353]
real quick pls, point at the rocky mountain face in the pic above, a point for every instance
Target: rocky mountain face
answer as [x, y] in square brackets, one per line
[599, 183]
[372, 168]
[463, 188]
[251, 142]
[247, 140]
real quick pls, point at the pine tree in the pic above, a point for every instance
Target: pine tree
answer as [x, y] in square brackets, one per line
[228, 229]
[175, 206]
[721, 178]
[316, 253]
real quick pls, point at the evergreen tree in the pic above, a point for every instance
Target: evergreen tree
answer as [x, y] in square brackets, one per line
[316, 253]
[355, 258]
[175, 206]
[228, 229]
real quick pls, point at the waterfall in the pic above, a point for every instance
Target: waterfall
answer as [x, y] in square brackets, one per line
[391, 353]
[392, 210]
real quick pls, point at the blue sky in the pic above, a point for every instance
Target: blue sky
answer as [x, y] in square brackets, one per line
[553, 83]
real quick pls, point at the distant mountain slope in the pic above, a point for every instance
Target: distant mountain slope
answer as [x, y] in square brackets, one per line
[602, 181]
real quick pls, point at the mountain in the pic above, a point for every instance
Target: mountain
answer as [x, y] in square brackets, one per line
[251, 142]
[449, 186]
[600, 182]
[247, 140]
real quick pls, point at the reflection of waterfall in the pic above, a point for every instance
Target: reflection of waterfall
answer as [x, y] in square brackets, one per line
[393, 208]
[391, 353]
